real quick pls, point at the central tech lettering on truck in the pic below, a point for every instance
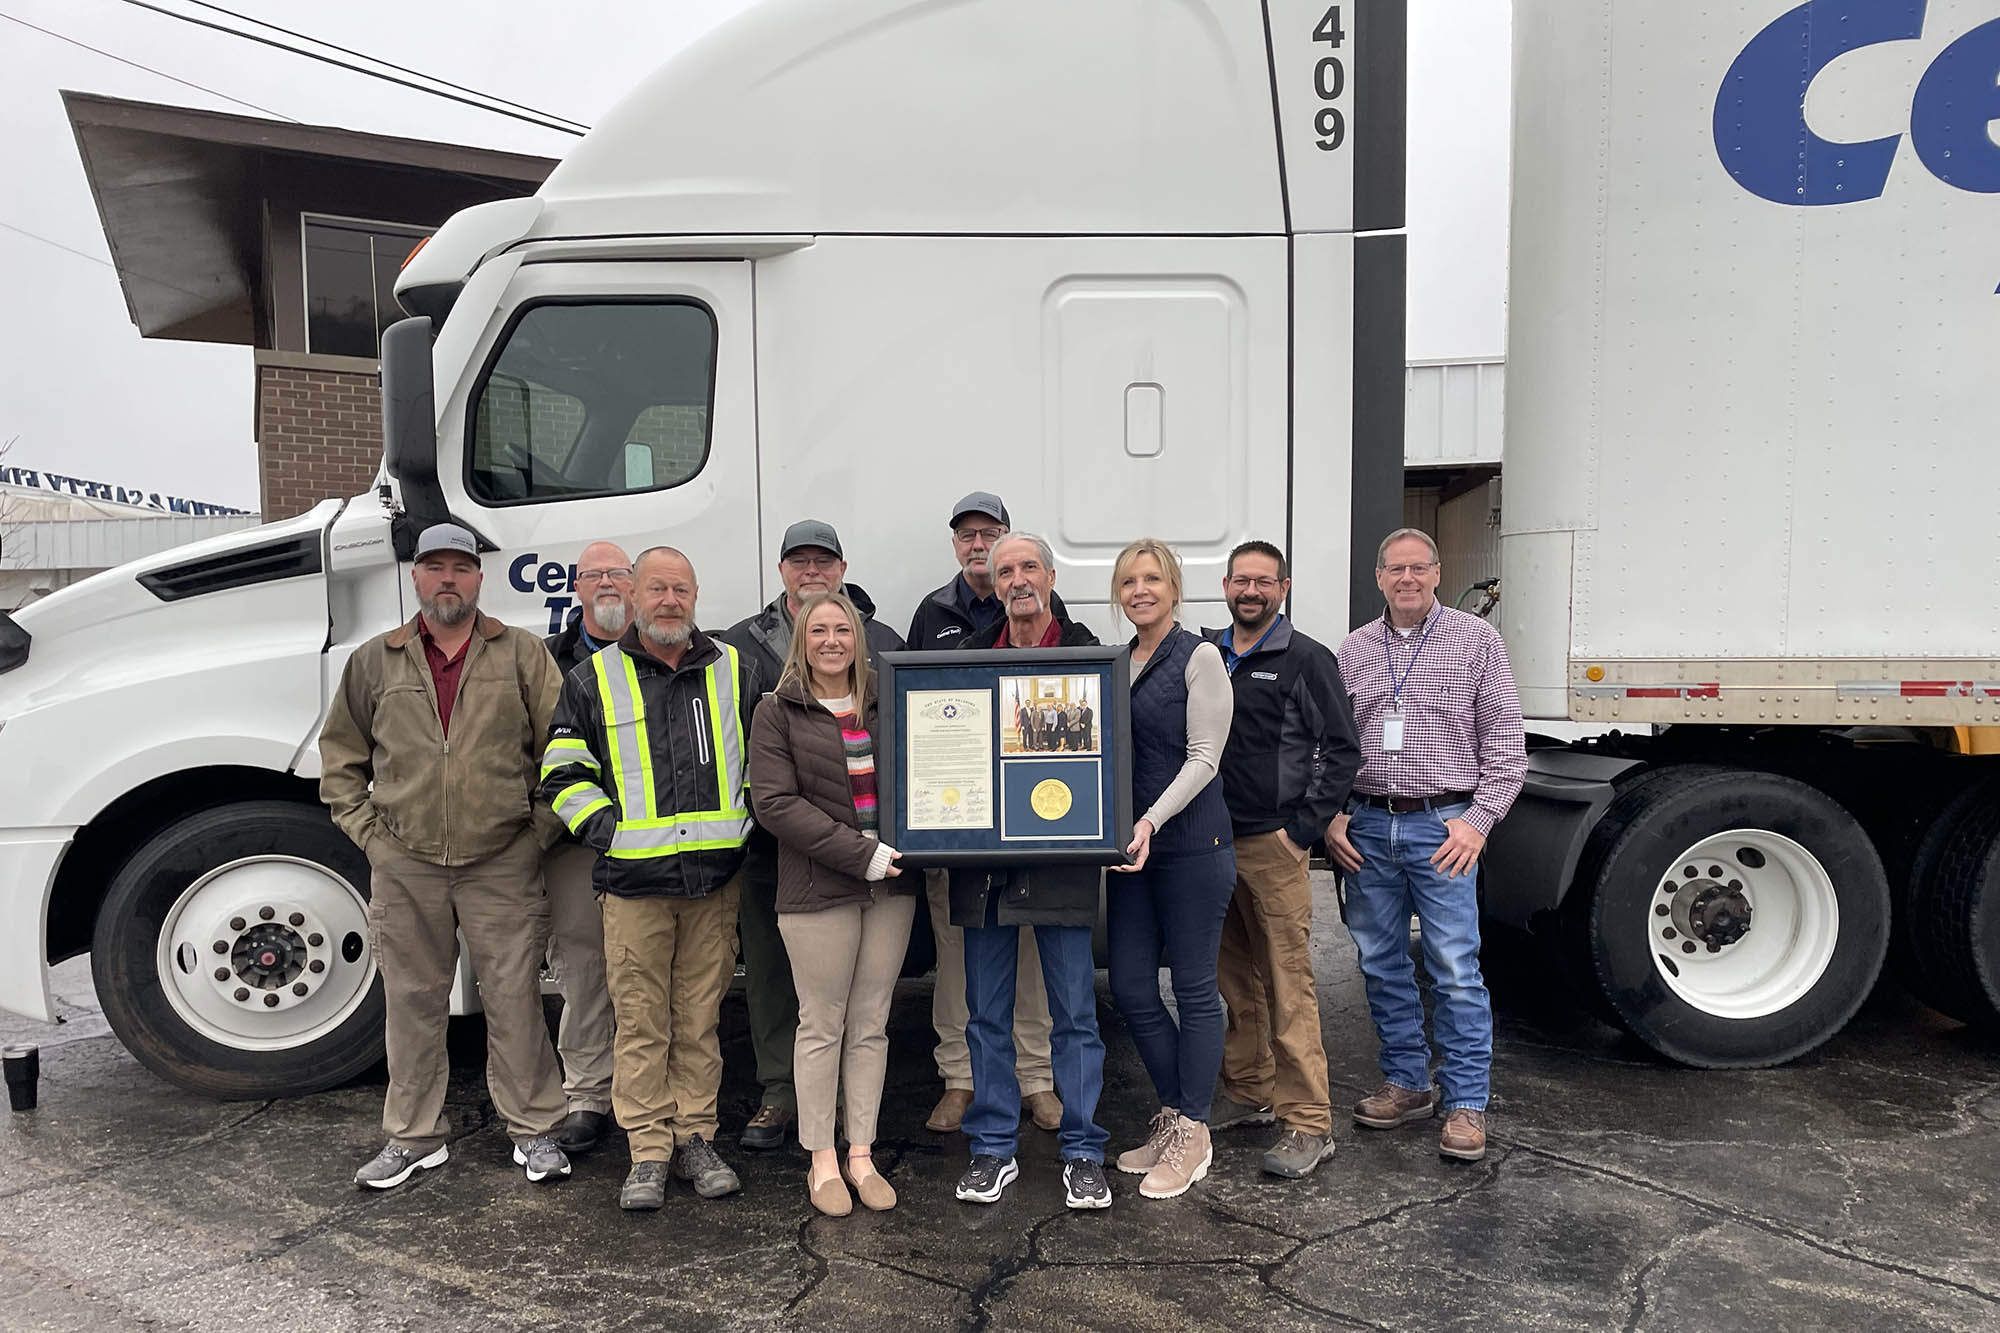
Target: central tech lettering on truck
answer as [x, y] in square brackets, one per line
[855, 307]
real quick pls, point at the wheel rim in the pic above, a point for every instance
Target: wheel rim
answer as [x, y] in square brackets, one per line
[267, 953]
[1743, 924]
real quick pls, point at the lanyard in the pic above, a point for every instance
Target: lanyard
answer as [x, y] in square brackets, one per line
[1396, 683]
[1230, 657]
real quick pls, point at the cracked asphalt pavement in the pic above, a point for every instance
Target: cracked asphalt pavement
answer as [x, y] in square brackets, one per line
[1859, 1187]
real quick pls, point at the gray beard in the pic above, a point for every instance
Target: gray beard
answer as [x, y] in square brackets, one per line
[611, 618]
[1040, 606]
[668, 638]
[449, 617]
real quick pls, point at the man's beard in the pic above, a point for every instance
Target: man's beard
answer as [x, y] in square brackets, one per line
[1264, 615]
[1041, 603]
[611, 615]
[668, 636]
[448, 609]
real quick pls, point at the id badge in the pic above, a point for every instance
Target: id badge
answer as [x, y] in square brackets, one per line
[1392, 732]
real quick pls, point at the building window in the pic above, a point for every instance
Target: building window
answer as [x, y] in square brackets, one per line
[601, 398]
[350, 283]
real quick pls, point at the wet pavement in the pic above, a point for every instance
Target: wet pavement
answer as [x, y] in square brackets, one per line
[1859, 1187]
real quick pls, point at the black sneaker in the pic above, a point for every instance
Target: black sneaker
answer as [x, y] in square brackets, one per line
[697, 1161]
[986, 1178]
[766, 1129]
[1085, 1185]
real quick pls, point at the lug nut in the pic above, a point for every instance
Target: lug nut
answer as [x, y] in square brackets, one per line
[222, 974]
[270, 999]
[316, 965]
[300, 988]
[237, 923]
[222, 946]
[242, 994]
[1713, 947]
[266, 913]
[1687, 946]
[1663, 910]
[315, 939]
[1669, 933]
[297, 918]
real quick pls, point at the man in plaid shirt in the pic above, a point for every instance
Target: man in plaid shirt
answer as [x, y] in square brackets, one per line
[1443, 757]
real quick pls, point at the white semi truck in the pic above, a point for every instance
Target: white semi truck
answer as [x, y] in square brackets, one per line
[1133, 264]
[1751, 459]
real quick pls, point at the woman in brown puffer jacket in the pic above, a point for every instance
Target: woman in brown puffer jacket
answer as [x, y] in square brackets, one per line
[843, 913]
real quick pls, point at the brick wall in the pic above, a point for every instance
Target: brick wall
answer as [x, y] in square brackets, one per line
[319, 436]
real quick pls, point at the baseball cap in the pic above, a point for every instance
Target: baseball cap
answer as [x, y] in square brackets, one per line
[811, 532]
[981, 502]
[447, 537]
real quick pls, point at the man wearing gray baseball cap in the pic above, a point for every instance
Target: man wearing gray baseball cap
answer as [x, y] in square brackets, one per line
[430, 757]
[810, 560]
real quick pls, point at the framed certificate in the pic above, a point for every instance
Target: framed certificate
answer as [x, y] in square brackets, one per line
[1006, 756]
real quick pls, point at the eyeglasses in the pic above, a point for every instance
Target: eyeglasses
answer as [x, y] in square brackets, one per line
[812, 561]
[1397, 571]
[966, 536]
[1244, 583]
[587, 576]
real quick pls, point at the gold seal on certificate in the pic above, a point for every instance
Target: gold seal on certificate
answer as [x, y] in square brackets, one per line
[1051, 799]
[948, 741]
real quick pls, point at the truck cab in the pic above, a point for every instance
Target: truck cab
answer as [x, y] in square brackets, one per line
[1133, 266]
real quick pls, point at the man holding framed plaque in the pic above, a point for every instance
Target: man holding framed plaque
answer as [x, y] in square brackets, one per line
[1023, 831]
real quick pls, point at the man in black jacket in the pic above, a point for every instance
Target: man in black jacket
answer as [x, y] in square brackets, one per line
[576, 928]
[1060, 902]
[809, 561]
[1291, 758]
[645, 765]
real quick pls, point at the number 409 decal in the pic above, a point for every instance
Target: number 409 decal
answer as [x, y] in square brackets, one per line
[1329, 81]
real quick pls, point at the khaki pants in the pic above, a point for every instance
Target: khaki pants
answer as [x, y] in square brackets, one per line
[1032, 1023]
[415, 913]
[1272, 1054]
[668, 961]
[576, 952]
[845, 961]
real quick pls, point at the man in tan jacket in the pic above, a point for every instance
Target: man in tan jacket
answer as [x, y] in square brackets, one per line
[446, 717]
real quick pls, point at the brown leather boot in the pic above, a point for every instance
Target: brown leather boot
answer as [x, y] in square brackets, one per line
[949, 1113]
[1045, 1108]
[1389, 1106]
[1464, 1135]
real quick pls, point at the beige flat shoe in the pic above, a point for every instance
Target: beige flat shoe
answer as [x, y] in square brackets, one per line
[829, 1196]
[876, 1193]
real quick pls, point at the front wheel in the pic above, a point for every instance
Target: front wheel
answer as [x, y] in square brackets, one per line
[1736, 919]
[232, 958]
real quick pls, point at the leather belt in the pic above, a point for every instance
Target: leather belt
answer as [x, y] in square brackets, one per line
[1409, 805]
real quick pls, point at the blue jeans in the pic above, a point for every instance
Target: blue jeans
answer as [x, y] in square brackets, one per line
[1397, 879]
[1076, 1052]
[1180, 901]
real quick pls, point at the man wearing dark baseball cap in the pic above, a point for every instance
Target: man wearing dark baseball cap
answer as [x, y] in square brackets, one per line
[945, 619]
[810, 561]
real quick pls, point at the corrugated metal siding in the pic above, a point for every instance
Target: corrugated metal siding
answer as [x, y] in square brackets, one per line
[1452, 412]
[102, 543]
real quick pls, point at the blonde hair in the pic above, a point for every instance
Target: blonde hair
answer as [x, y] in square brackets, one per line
[795, 656]
[1170, 565]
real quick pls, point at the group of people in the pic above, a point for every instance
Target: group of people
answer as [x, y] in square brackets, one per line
[1051, 725]
[636, 796]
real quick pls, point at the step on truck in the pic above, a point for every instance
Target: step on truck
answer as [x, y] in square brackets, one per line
[1133, 264]
[1749, 521]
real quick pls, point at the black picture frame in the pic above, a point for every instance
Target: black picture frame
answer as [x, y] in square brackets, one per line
[965, 669]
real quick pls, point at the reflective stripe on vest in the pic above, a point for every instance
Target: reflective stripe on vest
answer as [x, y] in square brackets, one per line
[643, 831]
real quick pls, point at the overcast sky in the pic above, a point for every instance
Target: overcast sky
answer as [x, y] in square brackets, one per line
[85, 395]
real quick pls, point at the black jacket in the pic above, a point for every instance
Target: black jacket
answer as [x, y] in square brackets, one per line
[581, 782]
[1292, 753]
[940, 623]
[1034, 895]
[568, 646]
[767, 636]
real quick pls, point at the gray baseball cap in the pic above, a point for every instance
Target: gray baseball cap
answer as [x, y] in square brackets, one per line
[981, 502]
[447, 537]
[811, 532]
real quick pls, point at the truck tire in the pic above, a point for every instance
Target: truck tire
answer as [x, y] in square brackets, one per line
[232, 954]
[1951, 912]
[1735, 918]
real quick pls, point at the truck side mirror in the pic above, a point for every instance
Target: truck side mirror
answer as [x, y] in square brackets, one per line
[409, 429]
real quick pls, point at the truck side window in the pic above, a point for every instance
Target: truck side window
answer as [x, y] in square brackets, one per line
[577, 385]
